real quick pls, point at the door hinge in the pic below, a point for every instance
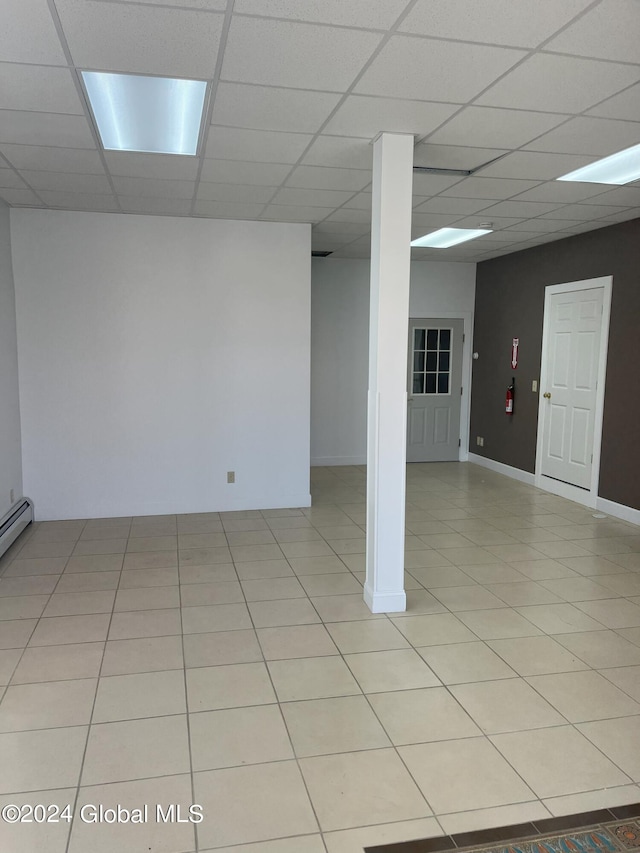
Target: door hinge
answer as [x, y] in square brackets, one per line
[461, 389]
[459, 442]
[592, 457]
[463, 337]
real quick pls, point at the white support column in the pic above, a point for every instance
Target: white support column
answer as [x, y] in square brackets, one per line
[388, 331]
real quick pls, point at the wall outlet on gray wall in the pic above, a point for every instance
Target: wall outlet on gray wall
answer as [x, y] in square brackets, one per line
[231, 476]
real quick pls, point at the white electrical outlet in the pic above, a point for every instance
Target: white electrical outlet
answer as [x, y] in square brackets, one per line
[534, 385]
[479, 441]
[231, 476]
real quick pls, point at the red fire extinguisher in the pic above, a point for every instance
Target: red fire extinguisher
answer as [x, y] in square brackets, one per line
[508, 404]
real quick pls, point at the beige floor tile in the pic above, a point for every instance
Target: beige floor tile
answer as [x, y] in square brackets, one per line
[88, 582]
[500, 816]
[347, 546]
[536, 655]
[147, 598]
[439, 576]
[592, 800]
[262, 569]
[251, 537]
[471, 556]
[15, 634]
[94, 563]
[537, 754]
[324, 726]
[575, 589]
[296, 641]
[46, 550]
[153, 835]
[371, 636]
[292, 611]
[631, 634]
[508, 705]
[623, 584]
[214, 688]
[486, 573]
[469, 771]
[221, 647]
[246, 804]
[425, 559]
[400, 669]
[207, 574]
[522, 593]
[58, 630]
[618, 739]
[27, 837]
[22, 607]
[584, 696]
[419, 601]
[40, 760]
[591, 565]
[473, 597]
[460, 663]
[151, 560]
[148, 694]
[106, 531]
[119, 752]
[90, 547]
[35, 566]
[299, 844]
[447, 540]
[139, 578]
[206, 556]
[539, 570]
[433, 630]
[201, 540]
[419, 716]
[248, 553]
[562, 549]
[331, 584]
[78, 603]
[215, 617]
[347, 790]
[312, 678]
[150, 654]
[515, 553]
[343, 608]
[559, 618]
[354, 840]
[270, 589]
[238, 736]
[150, 543]
[30, 585]
[601, 649]
[613, 612]
[498, 624]
[59, 663]
[136, 624]
[294, 550]
[295, 534]
[204, 594]
[240, 525]
[627, 678]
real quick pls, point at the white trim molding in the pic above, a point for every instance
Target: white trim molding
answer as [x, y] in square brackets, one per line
[501, 468]
[587, 497]
[626, 513]
[328, 461]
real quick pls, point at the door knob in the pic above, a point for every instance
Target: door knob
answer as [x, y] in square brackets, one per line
[547, 396]
[410, 399]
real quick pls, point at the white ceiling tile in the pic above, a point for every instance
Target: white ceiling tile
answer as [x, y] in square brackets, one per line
[32, 87]
[318, 177]
[524, 209]
[608, 31]
[28, 33]
[302, 56]
[209, 5]
[454, 156]
[40, 157]
[236, 193]
[375, 14]
[365, 116]
[345, 214]
[263, 146]
[626, 105]
[19, 196]
[428, 185]
[564, 192]
[240, 172]
[79, 201]
[162, 166]
[494, 127]
[623, 216]
[295, 213]
[430, 70]
[228, 210]
[422, 222]
[560, 84]
[519, 23]
[447, 204]
[498, 188]
[271, 108]
[155, 206]
[45, 129]
[143, 39]
[59, 181]
[361, 201]
[542, 167]
[151, 188]
[628, 196]
[10, 180]
[544, 225]
[340, 151]
[312, 197]
[583, 211]
[584, 135]
[341, 227]
[498, 222]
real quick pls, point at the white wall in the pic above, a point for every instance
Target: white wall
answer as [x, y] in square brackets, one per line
[339, 347]
[158, 353]
[10, 450]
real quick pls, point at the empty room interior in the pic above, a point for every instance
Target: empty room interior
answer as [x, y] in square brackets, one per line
[319, 405]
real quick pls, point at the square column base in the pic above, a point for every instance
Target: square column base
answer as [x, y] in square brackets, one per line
[385, 602]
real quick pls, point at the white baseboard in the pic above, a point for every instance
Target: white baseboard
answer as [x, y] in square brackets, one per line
[626, 513]
[501, 468]
[385, 602]
[326, 461]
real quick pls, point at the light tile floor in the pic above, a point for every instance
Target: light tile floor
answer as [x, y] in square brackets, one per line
[228, 660]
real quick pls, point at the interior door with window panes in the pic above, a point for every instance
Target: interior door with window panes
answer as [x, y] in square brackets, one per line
[434, 386]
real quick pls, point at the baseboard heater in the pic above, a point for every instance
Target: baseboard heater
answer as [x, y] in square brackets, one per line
[14, 522]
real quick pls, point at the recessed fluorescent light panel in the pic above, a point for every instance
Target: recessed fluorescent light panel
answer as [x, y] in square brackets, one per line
[157, 115]
[620, 168]
[446, 237]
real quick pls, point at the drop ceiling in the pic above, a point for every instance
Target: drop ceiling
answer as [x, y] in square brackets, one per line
[297, 89]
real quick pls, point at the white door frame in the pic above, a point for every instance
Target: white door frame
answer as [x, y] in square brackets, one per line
[587, 497]
[465, 400]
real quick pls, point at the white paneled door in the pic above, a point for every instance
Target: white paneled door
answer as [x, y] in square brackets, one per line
[570, 367]
[434, 385]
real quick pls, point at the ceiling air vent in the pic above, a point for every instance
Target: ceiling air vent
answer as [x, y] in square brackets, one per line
[321, 254]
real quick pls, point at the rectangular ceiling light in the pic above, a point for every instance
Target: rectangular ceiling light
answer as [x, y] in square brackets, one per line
[446, 237]
[620, 168]
[156, 115]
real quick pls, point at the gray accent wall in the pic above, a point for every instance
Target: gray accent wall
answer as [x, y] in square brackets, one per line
[510, 302]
